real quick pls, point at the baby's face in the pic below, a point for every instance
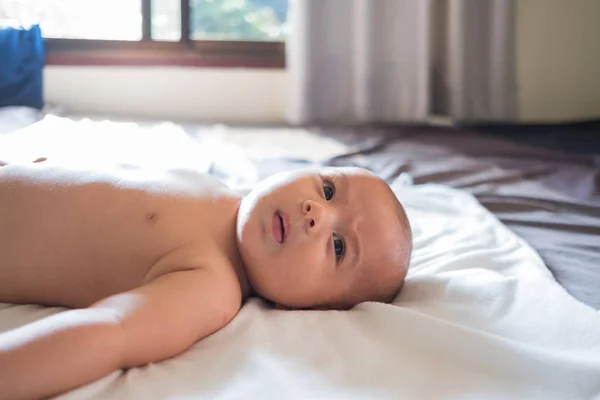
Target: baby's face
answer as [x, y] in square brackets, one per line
[321, 238]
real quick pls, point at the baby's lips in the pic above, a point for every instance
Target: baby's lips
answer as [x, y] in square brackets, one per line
[276, 225]
[286, 225]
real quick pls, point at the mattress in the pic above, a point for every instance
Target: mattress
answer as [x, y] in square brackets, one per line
[500, 302]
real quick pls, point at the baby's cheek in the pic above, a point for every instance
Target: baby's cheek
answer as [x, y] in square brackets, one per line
[290, 267]
[297, 264]
[315, 268]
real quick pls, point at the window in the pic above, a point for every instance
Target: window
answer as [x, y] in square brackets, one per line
[151, 32]
[78, 19]
[238, 19]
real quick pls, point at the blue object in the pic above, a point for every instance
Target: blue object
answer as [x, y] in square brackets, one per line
[21, 67]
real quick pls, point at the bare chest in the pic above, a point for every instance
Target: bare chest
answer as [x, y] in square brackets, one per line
[72, 239]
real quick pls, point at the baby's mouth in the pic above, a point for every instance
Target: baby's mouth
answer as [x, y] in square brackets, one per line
[279, 227]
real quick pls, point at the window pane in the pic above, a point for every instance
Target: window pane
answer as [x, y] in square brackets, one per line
[166, 20]
[77, 19]
[238, 19]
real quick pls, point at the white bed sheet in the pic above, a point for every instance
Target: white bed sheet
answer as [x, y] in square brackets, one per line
[480, 317]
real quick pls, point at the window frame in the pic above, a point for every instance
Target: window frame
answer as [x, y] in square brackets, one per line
[149, 52]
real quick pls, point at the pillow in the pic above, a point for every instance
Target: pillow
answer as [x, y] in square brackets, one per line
[21, 64]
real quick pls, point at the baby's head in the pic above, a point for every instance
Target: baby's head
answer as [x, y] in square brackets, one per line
[324, 238]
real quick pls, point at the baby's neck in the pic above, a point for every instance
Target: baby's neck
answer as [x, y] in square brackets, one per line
[236, 260]
[245, 286]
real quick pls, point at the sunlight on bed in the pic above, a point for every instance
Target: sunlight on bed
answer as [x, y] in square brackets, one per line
[274, 143]
[227, 152]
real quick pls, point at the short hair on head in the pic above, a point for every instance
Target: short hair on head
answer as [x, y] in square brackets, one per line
[384, 285]
[389, 288]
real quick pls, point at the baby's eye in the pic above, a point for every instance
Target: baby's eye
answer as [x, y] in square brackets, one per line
[328, 190]
[338, 246]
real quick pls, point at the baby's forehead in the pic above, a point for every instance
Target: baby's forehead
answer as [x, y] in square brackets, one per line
[382, 231]
[384, 246]
[371, 193]
[378, 274]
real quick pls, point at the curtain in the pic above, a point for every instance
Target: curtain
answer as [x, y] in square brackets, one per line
[363, 61]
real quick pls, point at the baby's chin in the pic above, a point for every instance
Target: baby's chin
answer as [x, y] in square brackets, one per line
[279, 299]
[285, 302]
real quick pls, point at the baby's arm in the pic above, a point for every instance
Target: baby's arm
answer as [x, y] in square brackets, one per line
[151, 323]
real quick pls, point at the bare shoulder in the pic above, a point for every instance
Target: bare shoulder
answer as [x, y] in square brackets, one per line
[167, 315]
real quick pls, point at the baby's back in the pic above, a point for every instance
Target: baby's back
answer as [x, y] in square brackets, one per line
[73, 236]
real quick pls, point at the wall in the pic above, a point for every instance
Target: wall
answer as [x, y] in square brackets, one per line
[198, 94]
[558, 59]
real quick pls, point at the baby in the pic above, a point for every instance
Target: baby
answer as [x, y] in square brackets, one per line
[151, 262]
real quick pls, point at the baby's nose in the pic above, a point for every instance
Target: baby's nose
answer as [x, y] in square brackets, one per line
[317, 218]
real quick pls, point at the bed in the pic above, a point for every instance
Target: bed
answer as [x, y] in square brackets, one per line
[503, 294]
